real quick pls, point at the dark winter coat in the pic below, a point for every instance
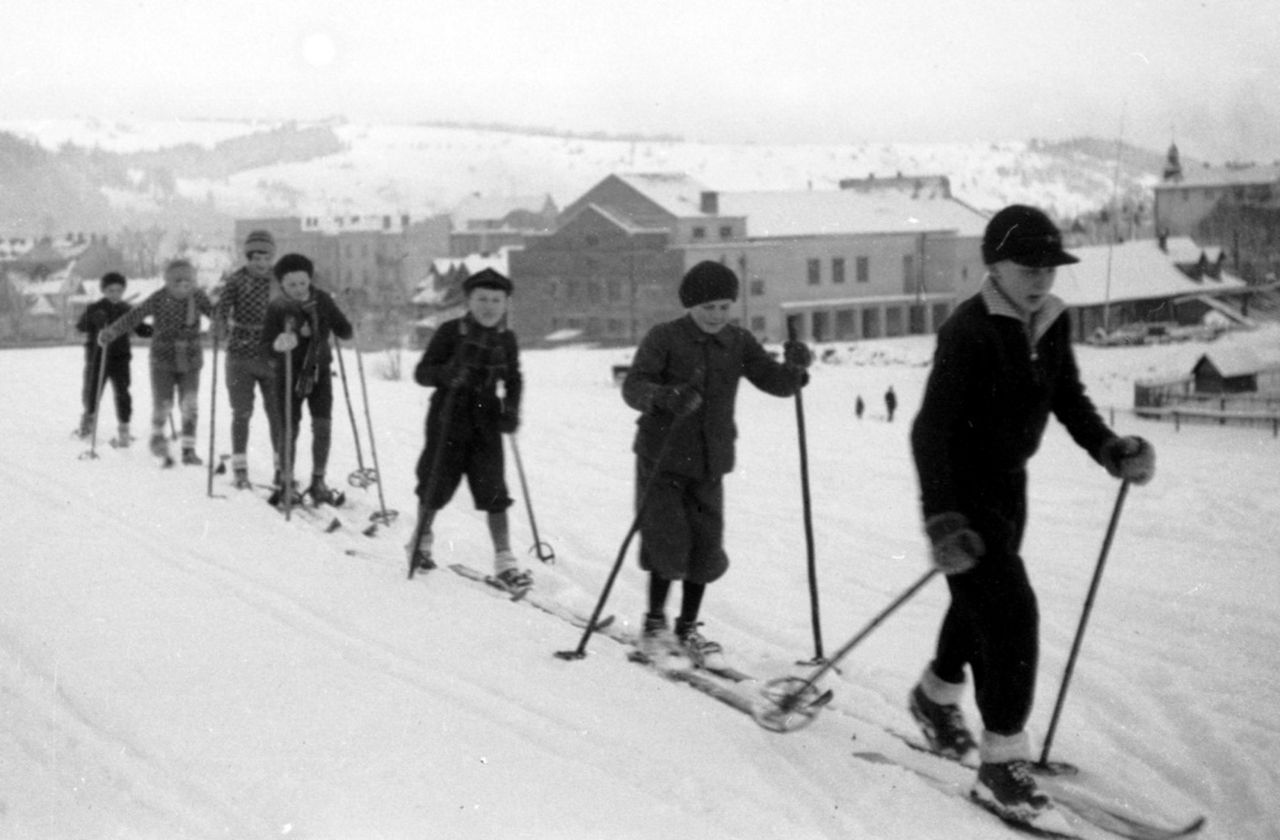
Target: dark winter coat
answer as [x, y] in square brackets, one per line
[995, 381]
[314, 320]
[491, 355]
[99, 314]
[175, 341]
[679, 352]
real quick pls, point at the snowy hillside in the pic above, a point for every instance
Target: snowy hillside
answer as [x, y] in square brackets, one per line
[175, 666]
[424, 169]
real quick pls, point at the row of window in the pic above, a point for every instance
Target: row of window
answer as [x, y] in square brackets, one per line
[699, 232]
[862, 270]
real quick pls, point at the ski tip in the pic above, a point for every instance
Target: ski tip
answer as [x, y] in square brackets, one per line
[571, 655]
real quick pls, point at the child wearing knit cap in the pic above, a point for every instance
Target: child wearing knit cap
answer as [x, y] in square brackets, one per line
[176, 354]
[242, 307]
[684, 382]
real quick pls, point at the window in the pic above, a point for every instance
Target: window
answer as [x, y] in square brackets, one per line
[893, 323]
[758, 324]
[846, 324]
[815, 272]
[871, 323]
[863, 269]
[820, 326]
[726, 232]
[837, 269]
[699, 232]
[757, 287]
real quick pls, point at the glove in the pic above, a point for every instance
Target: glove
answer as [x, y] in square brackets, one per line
[509, 421]
[1130, 458]
[104, 339]
[284, 342]
[956, 547]
[680, 400]
[797, 354]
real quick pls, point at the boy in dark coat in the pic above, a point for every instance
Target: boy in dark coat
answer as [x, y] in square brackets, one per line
[176, 354]
[465, 361]
[684, 382]
[1002, 365]
[297, 327]
[97, 315]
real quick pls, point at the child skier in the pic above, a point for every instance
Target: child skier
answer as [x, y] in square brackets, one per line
[684, 382]
[1003, 362]
[464, 361]
[176, 354]
[296, 331]
[242, 305]
[110, 307]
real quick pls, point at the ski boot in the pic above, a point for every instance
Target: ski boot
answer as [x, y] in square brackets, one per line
[190, 458]
[122, 438]
[942, 724]
[702, 652]
[322, 494]
[86, 426]
[241, 481]
[420, 554]
[1009, 790]
[655, 642]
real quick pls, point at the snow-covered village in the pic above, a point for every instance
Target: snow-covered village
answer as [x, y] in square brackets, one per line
[801, 442]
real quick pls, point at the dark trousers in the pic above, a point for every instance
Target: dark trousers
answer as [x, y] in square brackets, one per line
[993, 622]
[466, 449]
[319, 403]
[165, 380]
[244, 374]
[117, 373]
[681, 525]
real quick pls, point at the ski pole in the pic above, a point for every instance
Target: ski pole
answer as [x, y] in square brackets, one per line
[1084, 618]
[213, 408]
[808, 521]
[382, 516]
[173, 429]
[581, 650]
[286, 458]
[97, 404]
[544, 552]
[362, 477]
[792, 702]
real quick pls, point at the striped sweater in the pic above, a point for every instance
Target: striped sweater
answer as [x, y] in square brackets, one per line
[175, 342]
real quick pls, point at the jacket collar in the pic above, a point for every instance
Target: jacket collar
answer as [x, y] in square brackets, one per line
[1036, 324]
[697, 333]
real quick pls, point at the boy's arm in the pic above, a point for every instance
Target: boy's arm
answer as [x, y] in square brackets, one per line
[513, 381]
[433, 369]
[770, 376]
[935, 434]
[338, 322]
[128, 321]
[643, 384]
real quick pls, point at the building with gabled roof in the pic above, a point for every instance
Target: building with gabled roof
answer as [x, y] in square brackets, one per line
[833, 265]
[1135, 282]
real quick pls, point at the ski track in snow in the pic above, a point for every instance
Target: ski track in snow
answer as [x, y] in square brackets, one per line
[178, 666]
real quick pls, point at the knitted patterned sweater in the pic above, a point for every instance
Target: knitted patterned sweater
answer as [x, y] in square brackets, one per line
[175, 340]
[242, 306]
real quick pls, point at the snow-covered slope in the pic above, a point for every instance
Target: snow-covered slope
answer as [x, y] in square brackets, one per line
[179, 666]
[422, 169]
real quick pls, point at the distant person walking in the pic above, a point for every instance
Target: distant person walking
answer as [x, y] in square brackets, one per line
[890, 403]
[859, 406]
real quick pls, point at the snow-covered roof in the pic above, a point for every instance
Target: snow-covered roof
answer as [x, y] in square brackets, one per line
[1136, 270]
[676, 192]
[474, 263]
[493, 207]
[826, 212]
[1224, 176]
[1236, 360]
[1184, 250]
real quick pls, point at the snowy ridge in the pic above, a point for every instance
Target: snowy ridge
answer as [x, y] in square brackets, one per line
[179, 666]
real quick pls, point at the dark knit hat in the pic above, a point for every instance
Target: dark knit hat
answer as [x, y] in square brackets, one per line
[290, 263]
[708, 281]
[112, 278]
[259, 240]
[1026, 236]
[487, 279]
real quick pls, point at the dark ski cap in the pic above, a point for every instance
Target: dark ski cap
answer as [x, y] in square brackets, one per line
[1026, 236]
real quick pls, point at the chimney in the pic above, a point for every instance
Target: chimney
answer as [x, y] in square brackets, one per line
[710, 203]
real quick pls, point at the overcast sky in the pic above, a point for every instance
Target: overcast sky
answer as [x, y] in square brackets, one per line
[1206, 74]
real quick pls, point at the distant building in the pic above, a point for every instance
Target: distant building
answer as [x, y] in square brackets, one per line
[1184, 198]
[1138, 282]
[486, 224]
[833, 265]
